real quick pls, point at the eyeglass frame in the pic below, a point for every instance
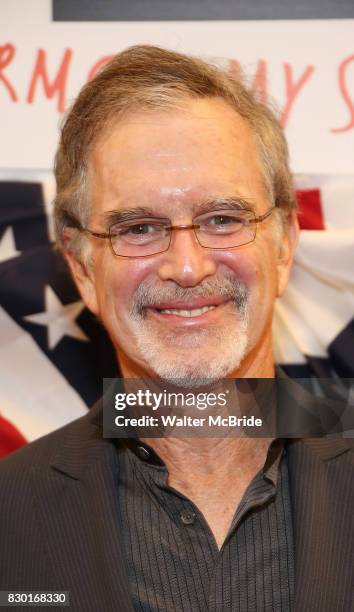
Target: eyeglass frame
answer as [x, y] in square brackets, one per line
[75, 224]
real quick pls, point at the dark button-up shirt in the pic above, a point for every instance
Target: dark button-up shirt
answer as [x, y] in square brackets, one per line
[172, 557]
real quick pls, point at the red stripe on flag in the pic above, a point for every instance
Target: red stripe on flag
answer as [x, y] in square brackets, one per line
[10, 438]
[310, 209]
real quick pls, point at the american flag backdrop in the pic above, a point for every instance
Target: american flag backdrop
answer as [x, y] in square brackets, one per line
[54, 354]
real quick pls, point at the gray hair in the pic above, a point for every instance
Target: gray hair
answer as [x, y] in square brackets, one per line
[145, 78]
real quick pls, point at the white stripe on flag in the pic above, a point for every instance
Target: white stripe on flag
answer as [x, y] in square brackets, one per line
[34, 396]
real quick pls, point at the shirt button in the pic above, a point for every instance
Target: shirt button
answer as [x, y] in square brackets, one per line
[143, 453]
[187, 517]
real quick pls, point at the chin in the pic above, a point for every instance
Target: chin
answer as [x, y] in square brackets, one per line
[192, 362]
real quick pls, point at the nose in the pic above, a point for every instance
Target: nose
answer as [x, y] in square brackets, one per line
[186, 262]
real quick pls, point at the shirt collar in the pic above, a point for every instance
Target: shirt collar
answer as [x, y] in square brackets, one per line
[147, 456]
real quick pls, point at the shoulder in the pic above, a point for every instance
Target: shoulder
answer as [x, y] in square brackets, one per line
[40, 453]
[34, 481]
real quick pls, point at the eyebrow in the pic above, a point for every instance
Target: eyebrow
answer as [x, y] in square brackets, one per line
[128, 214]
[142, 212]
[233, 203]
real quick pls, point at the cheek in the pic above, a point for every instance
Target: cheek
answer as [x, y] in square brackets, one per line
[243, 265]
[256, 268]
[117, 281]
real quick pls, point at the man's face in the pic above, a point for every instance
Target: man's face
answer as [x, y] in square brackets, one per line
[175, 163]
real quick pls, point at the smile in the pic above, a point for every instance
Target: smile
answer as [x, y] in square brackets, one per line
[189, 314]
[196, 312]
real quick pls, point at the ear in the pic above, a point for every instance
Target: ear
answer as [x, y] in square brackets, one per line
[287, 246]
[83, 276]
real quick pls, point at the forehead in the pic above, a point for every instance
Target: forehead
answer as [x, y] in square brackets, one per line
[202, 150]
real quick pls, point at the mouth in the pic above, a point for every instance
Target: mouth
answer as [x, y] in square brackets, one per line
[194, 312]
[190, 313]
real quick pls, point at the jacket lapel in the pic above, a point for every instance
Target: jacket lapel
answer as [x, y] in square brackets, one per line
[321, 479]
[79, 518]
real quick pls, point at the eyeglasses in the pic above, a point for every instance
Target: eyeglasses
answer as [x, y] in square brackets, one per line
[143, 237]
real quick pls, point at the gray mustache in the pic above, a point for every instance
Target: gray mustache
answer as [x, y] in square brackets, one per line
[149, 294]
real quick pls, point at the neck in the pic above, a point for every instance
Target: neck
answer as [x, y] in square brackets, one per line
[201, 458]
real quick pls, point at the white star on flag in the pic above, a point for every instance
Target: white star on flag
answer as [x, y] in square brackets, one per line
[59, 319]
[8, 246]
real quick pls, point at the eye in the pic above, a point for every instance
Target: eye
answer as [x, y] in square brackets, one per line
[139, 232]
[223, 219]
[139, 228]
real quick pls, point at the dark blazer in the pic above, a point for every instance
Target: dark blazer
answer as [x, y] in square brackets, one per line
[58, 527]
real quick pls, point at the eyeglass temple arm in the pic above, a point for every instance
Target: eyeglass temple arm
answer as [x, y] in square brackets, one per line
[71, 222]
[103, 235]
[263, 217]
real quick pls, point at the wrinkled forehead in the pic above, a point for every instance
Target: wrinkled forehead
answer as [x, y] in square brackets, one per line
[203, 150]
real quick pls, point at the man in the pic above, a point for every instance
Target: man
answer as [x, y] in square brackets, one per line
[176, 215]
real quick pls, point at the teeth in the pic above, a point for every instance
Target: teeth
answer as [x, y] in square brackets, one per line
[188, 313]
